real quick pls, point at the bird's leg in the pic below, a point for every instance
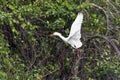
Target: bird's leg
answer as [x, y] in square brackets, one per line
[78, 52]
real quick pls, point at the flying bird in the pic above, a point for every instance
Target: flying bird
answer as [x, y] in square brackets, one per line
[75, 34]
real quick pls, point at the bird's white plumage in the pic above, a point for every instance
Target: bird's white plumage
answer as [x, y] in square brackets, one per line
[75, 33]
[76, 27]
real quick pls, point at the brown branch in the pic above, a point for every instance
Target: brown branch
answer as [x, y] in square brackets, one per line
[105, 13]
[50, 73]
[106, 39]
[116, 1]
[87, 14]
[74, 69]
[113, 45]
[113, 6]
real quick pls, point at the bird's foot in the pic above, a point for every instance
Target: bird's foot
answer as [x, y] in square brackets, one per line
[77, 52]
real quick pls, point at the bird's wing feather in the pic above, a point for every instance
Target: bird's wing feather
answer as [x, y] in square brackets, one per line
[75, 31]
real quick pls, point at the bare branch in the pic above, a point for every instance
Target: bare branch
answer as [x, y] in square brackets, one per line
[50, 73]
[106, 39]
[107, 18]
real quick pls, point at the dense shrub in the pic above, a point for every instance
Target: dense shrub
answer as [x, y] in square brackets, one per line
[28, 53]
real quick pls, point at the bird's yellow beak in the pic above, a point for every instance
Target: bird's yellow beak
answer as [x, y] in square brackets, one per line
[51, 35]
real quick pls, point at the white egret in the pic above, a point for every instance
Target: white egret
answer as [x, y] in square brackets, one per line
[75, 34]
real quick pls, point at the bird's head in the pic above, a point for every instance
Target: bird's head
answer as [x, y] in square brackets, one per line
[54, 34]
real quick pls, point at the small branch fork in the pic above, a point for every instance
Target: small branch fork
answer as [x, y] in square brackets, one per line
[105, 12]
[111, 42]
[75, 65]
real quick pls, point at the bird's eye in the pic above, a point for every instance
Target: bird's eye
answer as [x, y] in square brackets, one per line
[74, 46]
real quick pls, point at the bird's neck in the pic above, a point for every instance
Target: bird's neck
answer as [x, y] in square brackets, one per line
[62, 37]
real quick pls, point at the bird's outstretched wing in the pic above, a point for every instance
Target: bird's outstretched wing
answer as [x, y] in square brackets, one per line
[75, 31]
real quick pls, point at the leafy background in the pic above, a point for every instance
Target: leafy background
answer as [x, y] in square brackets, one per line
[28, 53]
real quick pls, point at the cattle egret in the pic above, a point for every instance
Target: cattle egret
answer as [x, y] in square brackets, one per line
[75, 34]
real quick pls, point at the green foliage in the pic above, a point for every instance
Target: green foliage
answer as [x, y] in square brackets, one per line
[28, 53]
[4, 60]
[3, 75]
